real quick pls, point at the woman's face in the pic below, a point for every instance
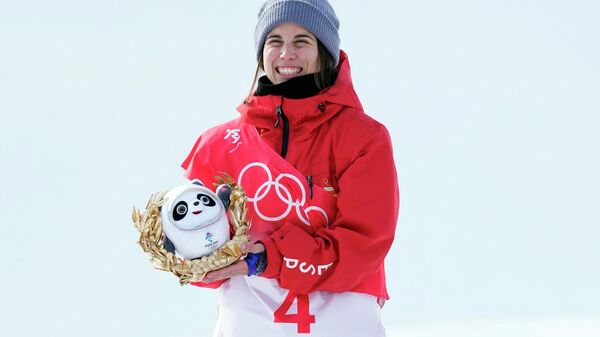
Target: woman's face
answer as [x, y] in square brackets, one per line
[290, 51]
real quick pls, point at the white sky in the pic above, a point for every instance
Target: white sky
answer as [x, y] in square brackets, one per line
[493, 107]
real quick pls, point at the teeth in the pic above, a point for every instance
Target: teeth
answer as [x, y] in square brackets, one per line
[289, 71]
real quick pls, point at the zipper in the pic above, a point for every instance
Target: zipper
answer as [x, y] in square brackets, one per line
[286, 129]
[310, 186]
[279, 112]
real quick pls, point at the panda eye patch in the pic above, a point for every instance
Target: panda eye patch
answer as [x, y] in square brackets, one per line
[206, 200]
[181, 209]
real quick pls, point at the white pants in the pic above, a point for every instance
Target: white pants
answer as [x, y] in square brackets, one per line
[256, 306]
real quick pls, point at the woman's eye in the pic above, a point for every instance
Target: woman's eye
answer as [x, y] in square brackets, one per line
[181, 209]
[274, 42]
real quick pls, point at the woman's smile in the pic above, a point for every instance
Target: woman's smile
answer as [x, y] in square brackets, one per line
[288, 71]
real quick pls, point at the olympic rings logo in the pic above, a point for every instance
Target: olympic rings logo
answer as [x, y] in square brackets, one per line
[283, 193]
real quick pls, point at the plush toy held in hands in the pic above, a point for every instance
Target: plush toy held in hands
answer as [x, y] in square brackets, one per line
[186, 230]
[194, 219]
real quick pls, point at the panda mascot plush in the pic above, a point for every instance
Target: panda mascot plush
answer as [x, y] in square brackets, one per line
[194, 219]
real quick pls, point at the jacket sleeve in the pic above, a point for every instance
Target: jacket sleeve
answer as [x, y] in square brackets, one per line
[338, 258]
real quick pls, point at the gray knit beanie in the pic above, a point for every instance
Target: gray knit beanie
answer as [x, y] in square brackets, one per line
[315, 15]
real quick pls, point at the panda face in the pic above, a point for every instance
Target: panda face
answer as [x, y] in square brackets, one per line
[195, 208]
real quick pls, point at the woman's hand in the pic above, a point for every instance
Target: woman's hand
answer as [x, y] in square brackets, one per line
[238, 268]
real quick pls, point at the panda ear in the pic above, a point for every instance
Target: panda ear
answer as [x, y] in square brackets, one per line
[224, 192]
[197, 182]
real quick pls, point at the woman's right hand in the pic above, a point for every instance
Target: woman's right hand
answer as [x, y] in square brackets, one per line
[238, 268]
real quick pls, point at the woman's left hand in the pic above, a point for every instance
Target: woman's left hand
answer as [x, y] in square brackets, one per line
[238, 268]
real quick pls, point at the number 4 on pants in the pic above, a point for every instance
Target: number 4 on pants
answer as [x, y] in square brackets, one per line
[302, 318]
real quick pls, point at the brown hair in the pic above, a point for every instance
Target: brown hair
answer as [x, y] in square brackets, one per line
[327, 69]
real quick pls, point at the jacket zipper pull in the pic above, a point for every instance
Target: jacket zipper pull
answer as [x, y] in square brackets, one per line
[279, 113]
[310, 186]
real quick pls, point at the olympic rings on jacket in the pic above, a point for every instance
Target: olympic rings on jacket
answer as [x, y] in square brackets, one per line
[282, 192]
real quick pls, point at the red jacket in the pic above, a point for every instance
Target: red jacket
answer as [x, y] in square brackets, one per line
[349, 154]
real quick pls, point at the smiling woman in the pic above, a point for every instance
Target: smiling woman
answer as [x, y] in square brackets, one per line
[290, 51]
[322, 69]
[323, 216]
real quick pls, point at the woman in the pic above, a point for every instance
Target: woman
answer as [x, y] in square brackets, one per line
[321, 184]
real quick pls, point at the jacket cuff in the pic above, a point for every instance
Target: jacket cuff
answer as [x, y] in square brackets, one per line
[211, 285]
[273, 259]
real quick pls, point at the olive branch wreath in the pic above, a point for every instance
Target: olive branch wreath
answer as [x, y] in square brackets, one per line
[151, 239]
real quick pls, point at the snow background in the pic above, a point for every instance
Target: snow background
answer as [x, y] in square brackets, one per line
[493, 107]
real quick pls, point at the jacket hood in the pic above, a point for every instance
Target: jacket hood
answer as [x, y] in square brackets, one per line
[307, 113]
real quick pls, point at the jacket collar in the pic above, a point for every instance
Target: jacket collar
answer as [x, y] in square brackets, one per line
[309, 112]
[295, 88]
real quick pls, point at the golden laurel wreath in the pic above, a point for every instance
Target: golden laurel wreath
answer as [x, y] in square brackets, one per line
[151, 238]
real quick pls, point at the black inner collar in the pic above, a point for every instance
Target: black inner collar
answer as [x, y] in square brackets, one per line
[297, 87]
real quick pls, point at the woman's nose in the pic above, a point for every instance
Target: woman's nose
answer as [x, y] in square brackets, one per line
[287, 51]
